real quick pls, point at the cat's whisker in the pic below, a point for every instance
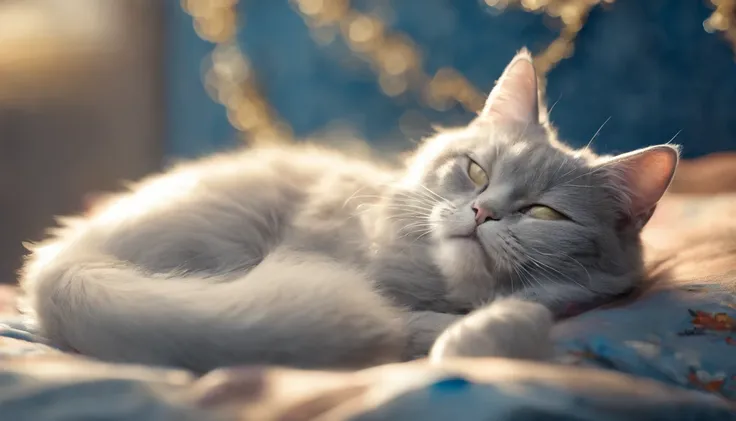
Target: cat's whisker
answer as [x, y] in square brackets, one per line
[425, 208]
[392, 219]
[408, 205]
[422, 236]
[411, 210]
[550, 273]
[419, 228]
[438, 196]
[596, 169]
[418, 233]
[513, 281]
[432, 201]
[568, 173]
[416, 226]
[430, 191]
[590, 280]
[580, 185]
[549, 112]
[546, 269]
[395, 199]
[669, 142]
[541, 285]
[593, 171]
[525, 276]
[420, 221]
[523, 132]
[557, 254]
[353, 196]
[367, 196]
[562, 164]
[412, 217]
[529, 277]
[597, 132]
[364, 209]
[420, 198]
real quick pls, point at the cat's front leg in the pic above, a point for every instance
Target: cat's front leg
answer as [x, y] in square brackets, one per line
[423, 328]
[508, 327]
[566, 300]
[517, 326]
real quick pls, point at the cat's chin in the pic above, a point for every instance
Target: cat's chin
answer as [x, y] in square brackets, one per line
[464, 264]
[469, 241]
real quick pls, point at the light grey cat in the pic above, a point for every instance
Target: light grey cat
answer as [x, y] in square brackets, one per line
[304, 257]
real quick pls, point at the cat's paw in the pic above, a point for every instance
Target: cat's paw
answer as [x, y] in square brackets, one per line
[509, 328]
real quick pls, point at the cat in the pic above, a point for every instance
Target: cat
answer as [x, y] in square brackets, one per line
[300, 256]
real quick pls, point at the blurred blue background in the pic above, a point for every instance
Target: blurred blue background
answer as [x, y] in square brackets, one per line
[649, 66]
[95, 92]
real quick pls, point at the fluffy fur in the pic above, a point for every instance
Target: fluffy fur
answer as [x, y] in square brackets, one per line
[305, 257]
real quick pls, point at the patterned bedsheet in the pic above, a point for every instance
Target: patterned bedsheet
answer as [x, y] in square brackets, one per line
[668, 354]
[682, 336]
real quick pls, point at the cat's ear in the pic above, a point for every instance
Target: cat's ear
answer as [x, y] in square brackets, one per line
[644, 176]
[515, 97]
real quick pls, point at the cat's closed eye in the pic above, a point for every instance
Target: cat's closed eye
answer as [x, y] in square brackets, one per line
[544, 213]
[477, 174]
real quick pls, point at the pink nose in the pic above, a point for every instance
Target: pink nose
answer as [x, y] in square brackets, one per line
[482, 215]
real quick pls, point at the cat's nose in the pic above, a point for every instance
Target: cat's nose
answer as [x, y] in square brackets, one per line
[483, 215]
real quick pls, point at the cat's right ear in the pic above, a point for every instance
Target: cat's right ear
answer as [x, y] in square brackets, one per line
[643, 176]
[515, 97]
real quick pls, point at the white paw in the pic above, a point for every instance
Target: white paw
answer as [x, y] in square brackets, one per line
[508, 328]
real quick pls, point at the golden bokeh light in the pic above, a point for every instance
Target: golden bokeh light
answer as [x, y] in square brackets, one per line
[574, 13]
[362, 29]
[393, 56]
[311, 7]
[230, 79]
[392, 85]
[723, 20]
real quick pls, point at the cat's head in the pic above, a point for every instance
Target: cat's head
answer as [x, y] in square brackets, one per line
[504, 206]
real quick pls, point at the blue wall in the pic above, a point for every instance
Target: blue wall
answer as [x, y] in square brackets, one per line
[648, 65]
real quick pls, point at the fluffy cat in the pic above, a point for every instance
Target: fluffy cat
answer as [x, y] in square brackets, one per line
[304, 257]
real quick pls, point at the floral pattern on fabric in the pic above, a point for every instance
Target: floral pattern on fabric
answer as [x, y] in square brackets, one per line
[684, 336]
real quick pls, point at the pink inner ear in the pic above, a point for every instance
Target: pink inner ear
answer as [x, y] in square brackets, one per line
[515, 98]
[647, 174]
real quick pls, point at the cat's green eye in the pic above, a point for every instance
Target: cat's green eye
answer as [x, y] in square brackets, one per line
[477, 174]
[545, 213]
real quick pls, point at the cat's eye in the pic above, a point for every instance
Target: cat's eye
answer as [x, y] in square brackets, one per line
[477, 174]
[544, 213]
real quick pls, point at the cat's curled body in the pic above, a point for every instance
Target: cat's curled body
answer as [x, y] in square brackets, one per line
[300, 256]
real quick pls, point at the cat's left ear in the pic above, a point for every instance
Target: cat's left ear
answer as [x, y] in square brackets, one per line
[644, 176]
[515, 97]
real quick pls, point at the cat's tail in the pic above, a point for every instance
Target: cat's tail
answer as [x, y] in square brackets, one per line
[291, 309]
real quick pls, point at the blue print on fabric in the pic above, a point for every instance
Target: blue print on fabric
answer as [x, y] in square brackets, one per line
[685, 337]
